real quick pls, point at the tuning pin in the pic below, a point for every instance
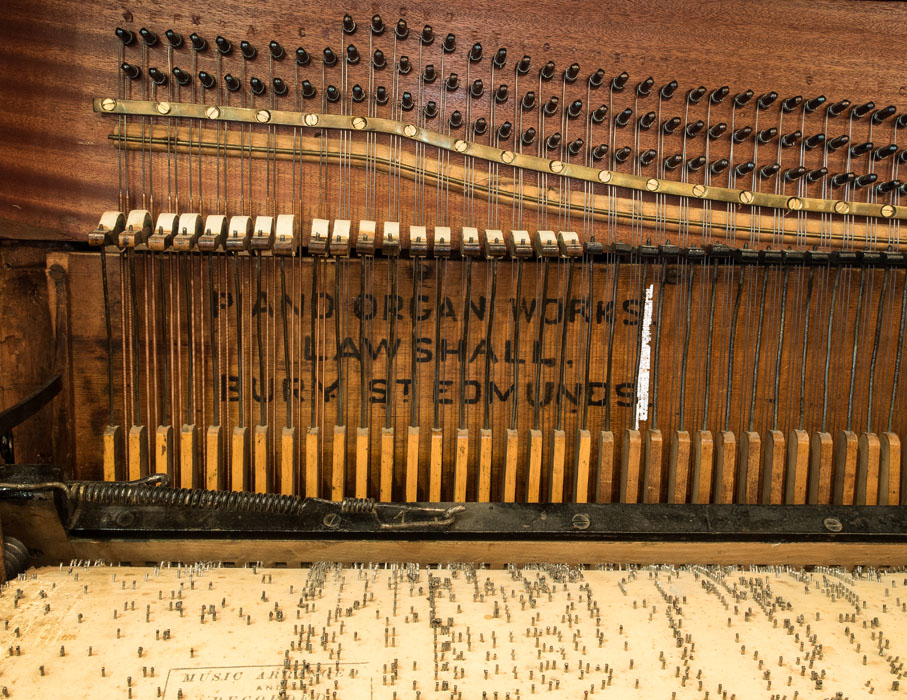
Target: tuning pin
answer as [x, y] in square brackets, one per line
[600, 151]
[883, 152]
[718, 166]
[550, 106]
[575, 146]
[357, 93]
[622, 154]
[523, 66]
[280, 87]
[717, 96]
[881, 115]
[618, 82]
[132, 72]
[407, 102]
[837, 142]
[842, 179]
[328, 57]
[574, 109]
[766, 135]
[276, 51]
[553, 141]
[790, 139]
[378, 60]
[182, 77]
[206, 80]
[694, 164]
[377, 25]
[500, 95]
[673, 162]
[717, 130]
[647, 157]
[744, 169]
[902, 190]
[901, 121]
[599, 115]
[404, 65]
[232, 83]
[837, 108]
[667, 91]
[767, 171]
[450, 43]
[693, 96]
[742, 134]
[644, 88]
[596, 79]
[793, 174]
[813, 141]
[865, 180]
[430, 110]
[248, 51]
[528, 137]
[308, 90]
[158, 77]
[125, 36]
[258, 87]
[694, 128]
[622, 119]
[886, 187]
[453, 82]
[149, 37]
[902, 157]
[480, 126]
[352, 55]
[791, 103]
[861, 111]
[477, 88]
[500, 58]
[741, 98]
[505, 130]
[402, 29]
[814, 104]
[528, 101]
[766, 100]
[349, 24]
[223, 46]
[860, 149]
[816, 175]
[427, 36]
[475, 53]
[670, 125]
[175, 40]
[456, 120]
[547, 71]
[647, 120]
[302, 57]
[571, 73]
[333, 94]
[429, 75]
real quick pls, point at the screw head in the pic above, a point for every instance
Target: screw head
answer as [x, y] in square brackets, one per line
[651, 184]
[460, 146]
[108, 104]
[163, 107]
[795, 204]
[263, 116]
[212, 112]
[699, 190]
[887, 210]
[409, 130]
[331, 520]
[833, 524]
[746, 197]
[604, 176]
[359, 123]
[556, 166]
[581, 521]
[507, 156]
[310, 119]
[842, 207]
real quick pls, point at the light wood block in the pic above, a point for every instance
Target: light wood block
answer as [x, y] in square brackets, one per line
[137, 452]
[163, 450]
[261, 455]
[461, 465]
[748, 464]
[889, 469]
[583, 457]
[386, 466]
[652, 466]
[363, 448]
[868, 453]
[631, 455]
[239, 459]
[435, 465]
[703, 464]
[288, 461]
[484, 493]
[556, 476]
[214, 458]
[821, 461]
[338, 464]
[725, 466]
[604, 481]
[511, 460]
[113, 452]
[312, 464]
[412, 464]
[797, 480]
[845, 468]
[773, 468]
[679, 467]
[189, 456]
[534, 474]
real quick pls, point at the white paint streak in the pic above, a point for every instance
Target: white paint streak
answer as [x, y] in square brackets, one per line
[645, 360]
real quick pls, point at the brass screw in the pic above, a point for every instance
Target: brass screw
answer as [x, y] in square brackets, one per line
[795, 203]
[212, 112]
[310, 119]
[108, 104]
[409, 130]
[746, 197]
[842, 207]
[651, 184]
[460, 146]
[163, 107]
[699, 190]
[507, 156]
[887, 211]
[263, 116]
[604, 176]
[556, 166]
[359, 123]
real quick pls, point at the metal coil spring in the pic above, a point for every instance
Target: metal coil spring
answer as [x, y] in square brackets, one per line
[357, 506]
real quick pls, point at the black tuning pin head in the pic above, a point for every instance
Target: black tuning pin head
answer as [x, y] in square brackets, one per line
[452, 82]
[717, 96]
[198, 43]
[744, 169]
[886, 187]
[813, 141]
[766, 100]
[861, 111]
[175, 40]
[279, 86]
[816, 175]
[381, 96]
[718, 166]
[523, 66]
[429, 74]
[647, 120]
[475, 53]
[182, 77]
[596, 79]
[622, 119]
[357, 93]
[248, 51]
[794, 174]
[407, 102]
[790, 139]
[450, 43]
[377, 25]
[206, 80]
[644, 88]
[528, 136]
[694, 164]
[860, 149]
[456, 119]
[742, 98]
[571, 73]
[574, 109]
[838, 142]
[500, 95]
[696, 94]
[500, 58]
[842, 179]
[232, 83]
[427, 36]
[768, 171]
[430, 110]
[766, 135]
[276, 51]
[717, 131]
[477, 89]
[158, 77]
[667, 91]
[902, 190]
[646, 158]
[505, 131]
[378, 60]
[902, 157]
[480, 126]
[352, 55]
[619, 82]
[349, 24]
[404, 65]
[402, 29]
[125, 36]
[791, 103]
[550, 107]
[600, 151]
[837, 108]
[671, 125]
[673, 162]
[132, 72]
[302, 57]
[308, 90]
[258, 87]
[599, 115]
[694, 128]
[814, 104]
[621, 155]
[148, 36]
[553, 141]
[223, 46]
[883, 152]
[546, 72]
[332, 94]
[865, 180]
[328, 57]
[881, 115]
[901, 121]
[742, 134]
[575, 146]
